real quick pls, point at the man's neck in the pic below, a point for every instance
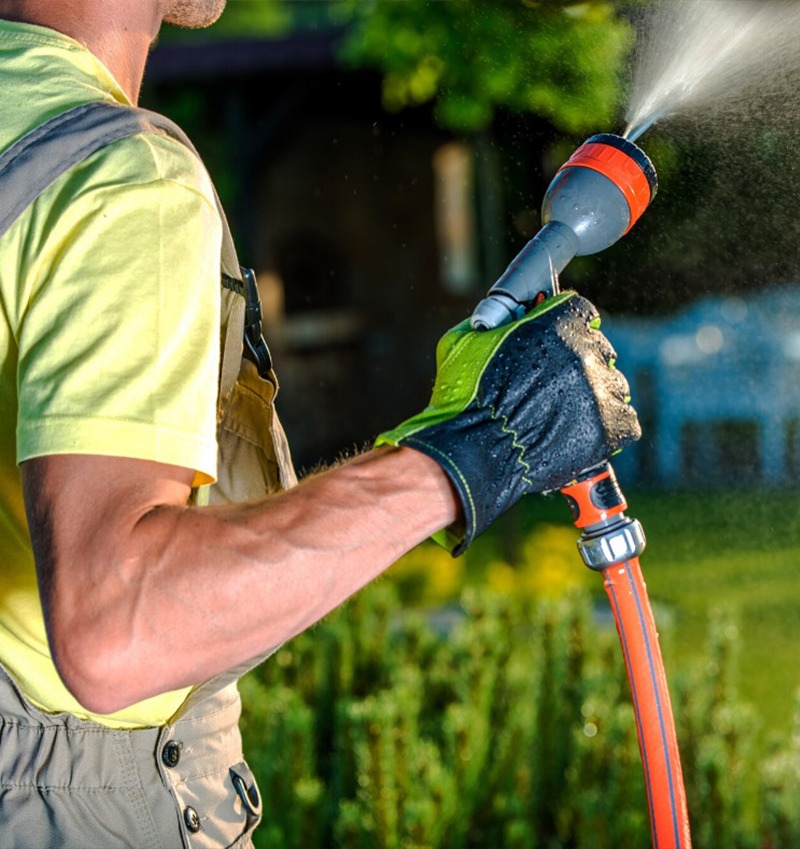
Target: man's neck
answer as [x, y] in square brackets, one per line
[118, 32]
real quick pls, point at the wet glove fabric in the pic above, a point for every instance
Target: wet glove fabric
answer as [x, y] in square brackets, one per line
[520, 409]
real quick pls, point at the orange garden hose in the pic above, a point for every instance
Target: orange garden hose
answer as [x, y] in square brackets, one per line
[655, 726]
[611, 543]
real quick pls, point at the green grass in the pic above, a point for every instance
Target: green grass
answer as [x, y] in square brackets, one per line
[738, 552]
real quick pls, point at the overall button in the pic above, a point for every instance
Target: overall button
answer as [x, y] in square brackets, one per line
[171, 753]
[191, 819]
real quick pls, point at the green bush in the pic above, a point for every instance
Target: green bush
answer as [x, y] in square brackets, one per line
[496, 723]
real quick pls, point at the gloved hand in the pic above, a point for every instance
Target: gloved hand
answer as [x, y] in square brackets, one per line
[520, 409]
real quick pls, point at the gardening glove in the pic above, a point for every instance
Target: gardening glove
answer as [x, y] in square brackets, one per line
[520, 409]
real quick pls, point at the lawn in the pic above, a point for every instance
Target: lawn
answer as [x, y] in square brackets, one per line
[737, 551]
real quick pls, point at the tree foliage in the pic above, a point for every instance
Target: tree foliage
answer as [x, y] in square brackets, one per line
[561, 61]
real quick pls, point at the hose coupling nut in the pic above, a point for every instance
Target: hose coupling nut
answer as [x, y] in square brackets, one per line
[601, 547]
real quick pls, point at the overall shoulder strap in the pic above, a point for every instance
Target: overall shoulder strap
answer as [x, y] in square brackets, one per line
[39, 158]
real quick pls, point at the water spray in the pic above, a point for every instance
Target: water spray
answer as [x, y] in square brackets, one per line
[669, 102]
[594, 199]
[633, 133]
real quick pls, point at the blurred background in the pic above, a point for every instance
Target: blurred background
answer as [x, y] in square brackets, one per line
[381, 162]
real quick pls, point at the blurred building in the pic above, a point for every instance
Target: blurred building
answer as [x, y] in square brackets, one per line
[364, 228]
[717, 386]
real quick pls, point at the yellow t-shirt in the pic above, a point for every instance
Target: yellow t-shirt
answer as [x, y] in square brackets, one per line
[109, 326]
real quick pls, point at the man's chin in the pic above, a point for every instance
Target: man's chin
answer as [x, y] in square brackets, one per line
[193, 14]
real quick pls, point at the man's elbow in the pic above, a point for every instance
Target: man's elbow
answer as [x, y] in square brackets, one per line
[91, 669]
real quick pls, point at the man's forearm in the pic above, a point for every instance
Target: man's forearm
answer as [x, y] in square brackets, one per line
[180, 594]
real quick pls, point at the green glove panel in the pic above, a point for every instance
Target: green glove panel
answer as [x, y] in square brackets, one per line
[519, 409]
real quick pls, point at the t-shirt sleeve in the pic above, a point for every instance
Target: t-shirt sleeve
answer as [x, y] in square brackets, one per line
[119, 342]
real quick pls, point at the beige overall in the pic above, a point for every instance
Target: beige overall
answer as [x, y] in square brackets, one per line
[70, 784]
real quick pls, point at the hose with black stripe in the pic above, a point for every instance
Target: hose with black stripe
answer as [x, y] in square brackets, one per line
[611, 543]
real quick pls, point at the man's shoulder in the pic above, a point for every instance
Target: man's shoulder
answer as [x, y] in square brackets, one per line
[45, 75]
[144, 157]
[96, 151]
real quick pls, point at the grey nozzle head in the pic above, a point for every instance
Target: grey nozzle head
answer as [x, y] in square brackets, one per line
[587, 207]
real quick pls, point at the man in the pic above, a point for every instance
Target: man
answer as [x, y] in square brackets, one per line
[123, 605]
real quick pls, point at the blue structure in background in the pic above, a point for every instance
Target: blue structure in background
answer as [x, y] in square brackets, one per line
[718, 389]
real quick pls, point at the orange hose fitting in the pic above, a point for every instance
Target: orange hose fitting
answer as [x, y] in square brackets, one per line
[595, 499]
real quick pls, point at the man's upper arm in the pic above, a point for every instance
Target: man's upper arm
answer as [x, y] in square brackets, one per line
[82, 513]
[118, 336]
[81, 508]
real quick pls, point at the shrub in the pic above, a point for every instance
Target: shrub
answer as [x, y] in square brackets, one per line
[498, 723]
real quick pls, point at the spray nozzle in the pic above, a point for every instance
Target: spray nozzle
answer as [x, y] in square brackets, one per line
[594, 199]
